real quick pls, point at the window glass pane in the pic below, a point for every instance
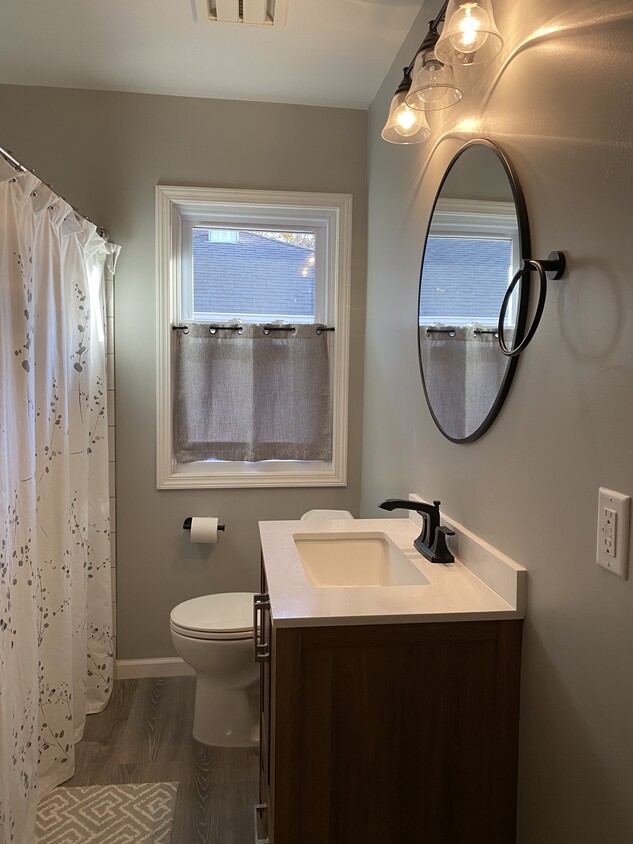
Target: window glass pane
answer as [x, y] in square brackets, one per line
[468, 278]
[253, 275]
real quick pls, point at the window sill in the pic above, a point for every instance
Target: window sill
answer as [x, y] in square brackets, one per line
[202, 476]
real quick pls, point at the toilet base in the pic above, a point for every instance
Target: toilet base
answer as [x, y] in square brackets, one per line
[225, 717]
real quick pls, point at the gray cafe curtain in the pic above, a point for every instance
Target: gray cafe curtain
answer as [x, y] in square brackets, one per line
[251, 396]
[462, 375]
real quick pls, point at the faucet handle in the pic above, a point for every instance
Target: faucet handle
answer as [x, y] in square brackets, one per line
[431, 519]
[439, 549]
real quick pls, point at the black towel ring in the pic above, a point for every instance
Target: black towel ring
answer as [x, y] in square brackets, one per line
[553, 268]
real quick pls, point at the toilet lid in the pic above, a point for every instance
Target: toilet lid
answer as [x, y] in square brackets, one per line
[222, 614]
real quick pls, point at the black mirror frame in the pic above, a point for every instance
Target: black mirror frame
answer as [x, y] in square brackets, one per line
[525, 250]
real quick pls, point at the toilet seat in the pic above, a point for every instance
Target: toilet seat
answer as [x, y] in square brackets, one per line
[227, 615]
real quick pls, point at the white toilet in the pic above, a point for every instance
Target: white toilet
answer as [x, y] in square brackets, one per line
[214, 635]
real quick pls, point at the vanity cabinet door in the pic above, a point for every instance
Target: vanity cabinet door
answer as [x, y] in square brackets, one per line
[394, 733]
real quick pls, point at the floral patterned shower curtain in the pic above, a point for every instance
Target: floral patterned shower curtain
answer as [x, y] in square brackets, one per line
[56, 660]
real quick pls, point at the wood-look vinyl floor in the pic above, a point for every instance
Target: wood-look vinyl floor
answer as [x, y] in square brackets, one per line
[144, 735]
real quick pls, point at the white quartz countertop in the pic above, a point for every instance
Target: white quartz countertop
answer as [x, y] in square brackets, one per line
[482, 584]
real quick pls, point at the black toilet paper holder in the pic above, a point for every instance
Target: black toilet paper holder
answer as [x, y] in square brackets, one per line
[186, 525]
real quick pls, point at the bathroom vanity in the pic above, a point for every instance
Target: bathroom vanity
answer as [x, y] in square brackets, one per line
[390, 687]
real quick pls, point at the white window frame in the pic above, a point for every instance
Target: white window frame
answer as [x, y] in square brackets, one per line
[472, 218]
[252, 209]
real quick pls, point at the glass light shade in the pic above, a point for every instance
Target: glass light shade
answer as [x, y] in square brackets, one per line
[470, 35]
[433, 85]
[405, 125]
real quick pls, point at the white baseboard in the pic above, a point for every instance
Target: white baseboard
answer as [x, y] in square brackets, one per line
[131, 669]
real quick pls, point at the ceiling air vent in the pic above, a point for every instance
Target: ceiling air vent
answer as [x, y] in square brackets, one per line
[251, 12]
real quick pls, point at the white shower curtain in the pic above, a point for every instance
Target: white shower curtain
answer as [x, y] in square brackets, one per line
[55, 595]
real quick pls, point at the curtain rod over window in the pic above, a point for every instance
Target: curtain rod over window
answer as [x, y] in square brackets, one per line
[213, 328]
[10, 159]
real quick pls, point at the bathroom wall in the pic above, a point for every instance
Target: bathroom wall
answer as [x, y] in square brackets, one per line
[105, 152]
[558, 100]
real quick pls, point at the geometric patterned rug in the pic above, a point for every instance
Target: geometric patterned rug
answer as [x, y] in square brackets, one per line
[108, 814]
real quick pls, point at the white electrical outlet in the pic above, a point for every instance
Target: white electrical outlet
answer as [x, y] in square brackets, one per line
[614, 513]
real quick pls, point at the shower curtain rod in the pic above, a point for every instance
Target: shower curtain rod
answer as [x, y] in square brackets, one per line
[13, 161]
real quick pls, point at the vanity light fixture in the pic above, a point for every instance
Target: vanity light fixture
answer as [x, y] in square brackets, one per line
[469, 36]
[433, 83]
[405, 125]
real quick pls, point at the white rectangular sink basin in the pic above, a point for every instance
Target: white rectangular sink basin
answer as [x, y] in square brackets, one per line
[355, 559]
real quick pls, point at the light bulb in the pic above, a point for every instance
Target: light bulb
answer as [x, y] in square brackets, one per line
[404, 125]
[406, 122]
[468, 28]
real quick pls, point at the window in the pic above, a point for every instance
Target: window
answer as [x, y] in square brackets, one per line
[254, 276]
[236, 258]
[470, 241]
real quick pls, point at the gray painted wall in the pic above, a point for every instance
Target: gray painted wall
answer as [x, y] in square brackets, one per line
[561, 110]
[478, 175]
[105, 152]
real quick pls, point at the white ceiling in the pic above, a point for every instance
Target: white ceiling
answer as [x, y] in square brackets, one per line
[331, 52]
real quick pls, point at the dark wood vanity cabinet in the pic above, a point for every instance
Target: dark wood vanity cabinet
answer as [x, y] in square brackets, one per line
[390, 734]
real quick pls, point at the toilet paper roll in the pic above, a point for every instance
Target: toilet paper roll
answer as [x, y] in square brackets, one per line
[204, 529]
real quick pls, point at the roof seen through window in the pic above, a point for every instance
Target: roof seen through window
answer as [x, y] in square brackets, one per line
[251, 273]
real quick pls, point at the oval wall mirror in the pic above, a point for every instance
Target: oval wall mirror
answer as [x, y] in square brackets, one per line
[477, 237]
